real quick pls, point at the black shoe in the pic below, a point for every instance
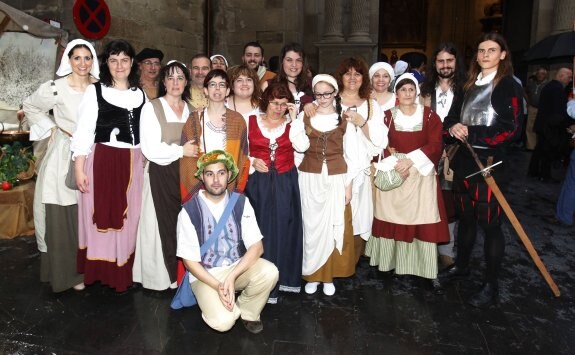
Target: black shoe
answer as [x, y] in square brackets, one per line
[548, 180]
[436, 286]
[554, 221]
[486, 297]
[253, 327]
[453, 273]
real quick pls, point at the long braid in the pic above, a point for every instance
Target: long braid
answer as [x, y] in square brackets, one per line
[338, 109]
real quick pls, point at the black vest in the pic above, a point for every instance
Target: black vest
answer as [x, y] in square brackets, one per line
[110, 117]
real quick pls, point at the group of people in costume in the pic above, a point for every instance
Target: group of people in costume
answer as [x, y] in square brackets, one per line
[280, 167]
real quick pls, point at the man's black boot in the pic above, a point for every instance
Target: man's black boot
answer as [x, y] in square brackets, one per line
[486, 297]
[453, 273]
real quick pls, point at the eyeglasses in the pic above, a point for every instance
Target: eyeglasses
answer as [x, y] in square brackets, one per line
[214, 85]
[152, 64]
[325, 95]
[276, 104]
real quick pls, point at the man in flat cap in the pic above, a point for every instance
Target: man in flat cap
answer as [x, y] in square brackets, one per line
[149, 63]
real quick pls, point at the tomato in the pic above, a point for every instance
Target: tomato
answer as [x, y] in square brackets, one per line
[6, 185]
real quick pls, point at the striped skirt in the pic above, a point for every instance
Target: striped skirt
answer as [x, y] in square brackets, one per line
[417, 258]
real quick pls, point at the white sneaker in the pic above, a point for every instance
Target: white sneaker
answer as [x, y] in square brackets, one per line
[311, 287]
[328, 289]
[79, 287]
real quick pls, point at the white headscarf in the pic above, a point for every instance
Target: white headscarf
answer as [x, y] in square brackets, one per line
[219, 56]
[327, 79]
[381, 65]
[407, 76]
[65, 67]
[400, 67]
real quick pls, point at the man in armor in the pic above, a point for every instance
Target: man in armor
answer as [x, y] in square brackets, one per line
[489, 120]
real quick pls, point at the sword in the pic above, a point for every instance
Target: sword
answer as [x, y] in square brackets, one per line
[513, 219]
[485, 171]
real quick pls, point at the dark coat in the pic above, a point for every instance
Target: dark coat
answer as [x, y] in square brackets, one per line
[552, 107]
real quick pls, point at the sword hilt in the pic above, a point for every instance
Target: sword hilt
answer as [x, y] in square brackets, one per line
[474, 155]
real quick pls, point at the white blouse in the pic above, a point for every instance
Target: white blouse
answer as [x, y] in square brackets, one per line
[377, 140]
[275, 133]
[325, 123]
[151, 134]
[211, 138]
[414, 123]
[64, 103]
[83, 137]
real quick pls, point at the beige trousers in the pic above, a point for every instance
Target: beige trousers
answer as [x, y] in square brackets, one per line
[255, 285]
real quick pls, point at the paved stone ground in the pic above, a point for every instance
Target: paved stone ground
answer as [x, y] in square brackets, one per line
[371, 313]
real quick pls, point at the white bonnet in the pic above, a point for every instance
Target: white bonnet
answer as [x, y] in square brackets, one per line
[65, 67]
[408, 76]
[400, 67]
[325, 78]
[381, 65]
[220, 56]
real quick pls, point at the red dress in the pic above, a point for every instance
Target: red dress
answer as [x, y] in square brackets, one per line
[429, 141]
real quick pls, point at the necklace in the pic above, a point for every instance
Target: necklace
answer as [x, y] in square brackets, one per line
[216, 114]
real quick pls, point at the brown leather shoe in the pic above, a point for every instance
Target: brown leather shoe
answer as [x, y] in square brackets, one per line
[445, 261]
[253, 327]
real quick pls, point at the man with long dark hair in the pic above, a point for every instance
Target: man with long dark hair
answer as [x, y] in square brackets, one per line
[442, 90]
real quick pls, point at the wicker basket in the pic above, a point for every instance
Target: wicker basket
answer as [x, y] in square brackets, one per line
[28, 174]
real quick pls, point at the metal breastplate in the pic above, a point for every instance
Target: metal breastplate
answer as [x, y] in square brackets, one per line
[477, 109]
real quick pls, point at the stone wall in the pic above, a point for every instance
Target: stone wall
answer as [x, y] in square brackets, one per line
[177, 27]
[272, 23]
[174, 26]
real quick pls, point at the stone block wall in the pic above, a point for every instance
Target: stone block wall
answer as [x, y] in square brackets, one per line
[272, 23]
[174, 26]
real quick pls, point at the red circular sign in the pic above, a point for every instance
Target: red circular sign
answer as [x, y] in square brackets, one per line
[92, 18]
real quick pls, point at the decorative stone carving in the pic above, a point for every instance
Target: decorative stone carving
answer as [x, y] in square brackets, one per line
[563, 16]
[333, 21]
[360, 21]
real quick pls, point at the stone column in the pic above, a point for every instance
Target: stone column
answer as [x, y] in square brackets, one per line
[359, 21]
[563, 16]
[333, 21]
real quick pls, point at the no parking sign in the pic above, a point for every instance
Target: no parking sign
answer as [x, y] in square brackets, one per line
[92, 18]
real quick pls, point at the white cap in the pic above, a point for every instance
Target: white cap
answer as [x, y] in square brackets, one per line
[400, 67]
[381, 65]
[65, 67]
[407, 76]
[327, 79]
[219, 56]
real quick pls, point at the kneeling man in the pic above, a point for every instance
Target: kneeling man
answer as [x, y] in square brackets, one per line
[233, 261]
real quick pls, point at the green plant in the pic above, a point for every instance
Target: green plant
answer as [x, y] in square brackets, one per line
[14, 159]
